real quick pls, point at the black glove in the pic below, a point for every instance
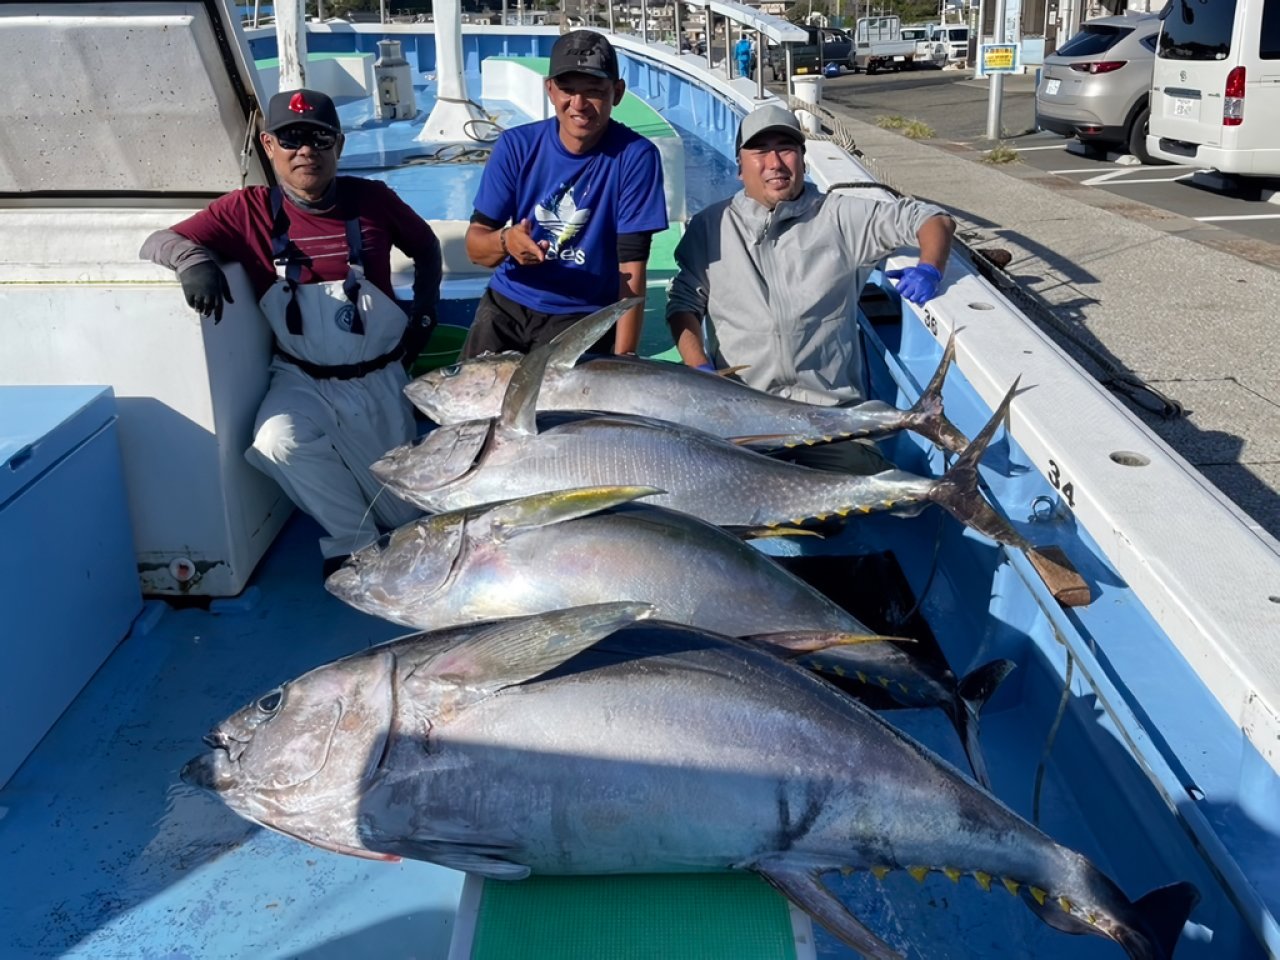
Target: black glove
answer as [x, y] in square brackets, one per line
[422, 321]
[205, 287]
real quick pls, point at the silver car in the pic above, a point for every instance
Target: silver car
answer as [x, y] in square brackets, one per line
[1098, 84]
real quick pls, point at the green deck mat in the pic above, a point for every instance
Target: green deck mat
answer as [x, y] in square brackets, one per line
[729, 916]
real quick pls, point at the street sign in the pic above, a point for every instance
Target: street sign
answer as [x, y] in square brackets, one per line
[998, 57]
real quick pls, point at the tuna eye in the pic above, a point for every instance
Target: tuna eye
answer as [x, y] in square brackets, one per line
[271, 702]
[451, 370]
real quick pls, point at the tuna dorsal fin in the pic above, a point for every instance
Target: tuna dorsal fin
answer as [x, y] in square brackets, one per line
[504, 653]
[545, 509]
[571, 343]
[802, 887]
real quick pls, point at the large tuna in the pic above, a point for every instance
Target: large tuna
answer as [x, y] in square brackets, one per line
[558, 550]
[518, 747]
[473, 390]
[482, 461]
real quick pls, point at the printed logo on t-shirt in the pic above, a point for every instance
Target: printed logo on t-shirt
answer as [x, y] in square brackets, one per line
[345, 317]
[561, 219]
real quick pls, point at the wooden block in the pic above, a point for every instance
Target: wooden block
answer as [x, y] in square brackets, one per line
[1066, 585]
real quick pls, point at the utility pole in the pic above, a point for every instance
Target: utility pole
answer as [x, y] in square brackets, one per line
[997, 79]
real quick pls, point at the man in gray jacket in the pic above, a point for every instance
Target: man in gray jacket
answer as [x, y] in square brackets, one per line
[774, 269]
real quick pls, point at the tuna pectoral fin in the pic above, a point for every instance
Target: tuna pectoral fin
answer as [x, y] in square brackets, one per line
[545, 509]
[484, 866]
[957, 490]
[926, 416]
[972, 693]
[804, 888]
[798, 642]
[503, 653]
[764, 533]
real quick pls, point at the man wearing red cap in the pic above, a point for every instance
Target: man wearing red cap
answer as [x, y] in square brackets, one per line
[317, 250]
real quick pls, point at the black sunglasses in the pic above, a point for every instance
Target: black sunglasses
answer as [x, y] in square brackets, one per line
[294, 138]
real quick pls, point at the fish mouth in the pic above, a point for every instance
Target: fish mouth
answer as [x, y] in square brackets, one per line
[210, 771]
[344, 583]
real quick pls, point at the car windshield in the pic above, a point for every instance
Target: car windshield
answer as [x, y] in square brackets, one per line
[909, 34]
[1093, 39]
[961, 34]
[1198, 30]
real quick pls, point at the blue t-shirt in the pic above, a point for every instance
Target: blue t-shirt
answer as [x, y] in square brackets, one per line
[580, 204]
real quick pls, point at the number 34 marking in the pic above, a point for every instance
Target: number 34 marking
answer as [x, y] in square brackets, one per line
[1059, 483]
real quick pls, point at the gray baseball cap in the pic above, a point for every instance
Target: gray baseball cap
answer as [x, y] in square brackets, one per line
[771, 118]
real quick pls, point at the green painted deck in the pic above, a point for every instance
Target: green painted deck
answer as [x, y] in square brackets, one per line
[273, 63]
[722, 916]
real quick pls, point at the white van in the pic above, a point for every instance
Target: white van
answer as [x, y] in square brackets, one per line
[1215, 91]
[954, 39]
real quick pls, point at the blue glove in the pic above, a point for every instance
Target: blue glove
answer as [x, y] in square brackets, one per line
[918, 284]
[706, 367]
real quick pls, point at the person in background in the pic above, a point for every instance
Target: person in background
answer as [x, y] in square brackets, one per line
[742, 53]
[317, 251]
[566, 211]
[774, 268]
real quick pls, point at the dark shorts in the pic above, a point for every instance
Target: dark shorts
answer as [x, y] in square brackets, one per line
[502, 324]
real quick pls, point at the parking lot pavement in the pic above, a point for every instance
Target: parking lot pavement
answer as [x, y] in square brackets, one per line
[1252, 210]
[954, 106]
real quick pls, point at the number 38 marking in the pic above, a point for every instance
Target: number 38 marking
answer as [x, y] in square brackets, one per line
[1065, 486]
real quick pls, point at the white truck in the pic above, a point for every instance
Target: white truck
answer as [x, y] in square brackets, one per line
[879, 45]
[928, 52]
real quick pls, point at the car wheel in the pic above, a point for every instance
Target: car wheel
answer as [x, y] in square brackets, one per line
[1138, 136]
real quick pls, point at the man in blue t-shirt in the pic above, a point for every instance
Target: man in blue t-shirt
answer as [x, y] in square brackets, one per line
[566, 211]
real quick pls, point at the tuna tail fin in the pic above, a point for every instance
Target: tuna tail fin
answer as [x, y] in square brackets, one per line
[926, 416]
[972, 694]
[1149, 930]
[1164, 912]
[957, 492]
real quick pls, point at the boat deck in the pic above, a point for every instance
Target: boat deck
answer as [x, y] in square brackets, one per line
[117, 858]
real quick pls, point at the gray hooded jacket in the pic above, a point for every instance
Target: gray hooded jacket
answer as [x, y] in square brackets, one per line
[779, 288]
